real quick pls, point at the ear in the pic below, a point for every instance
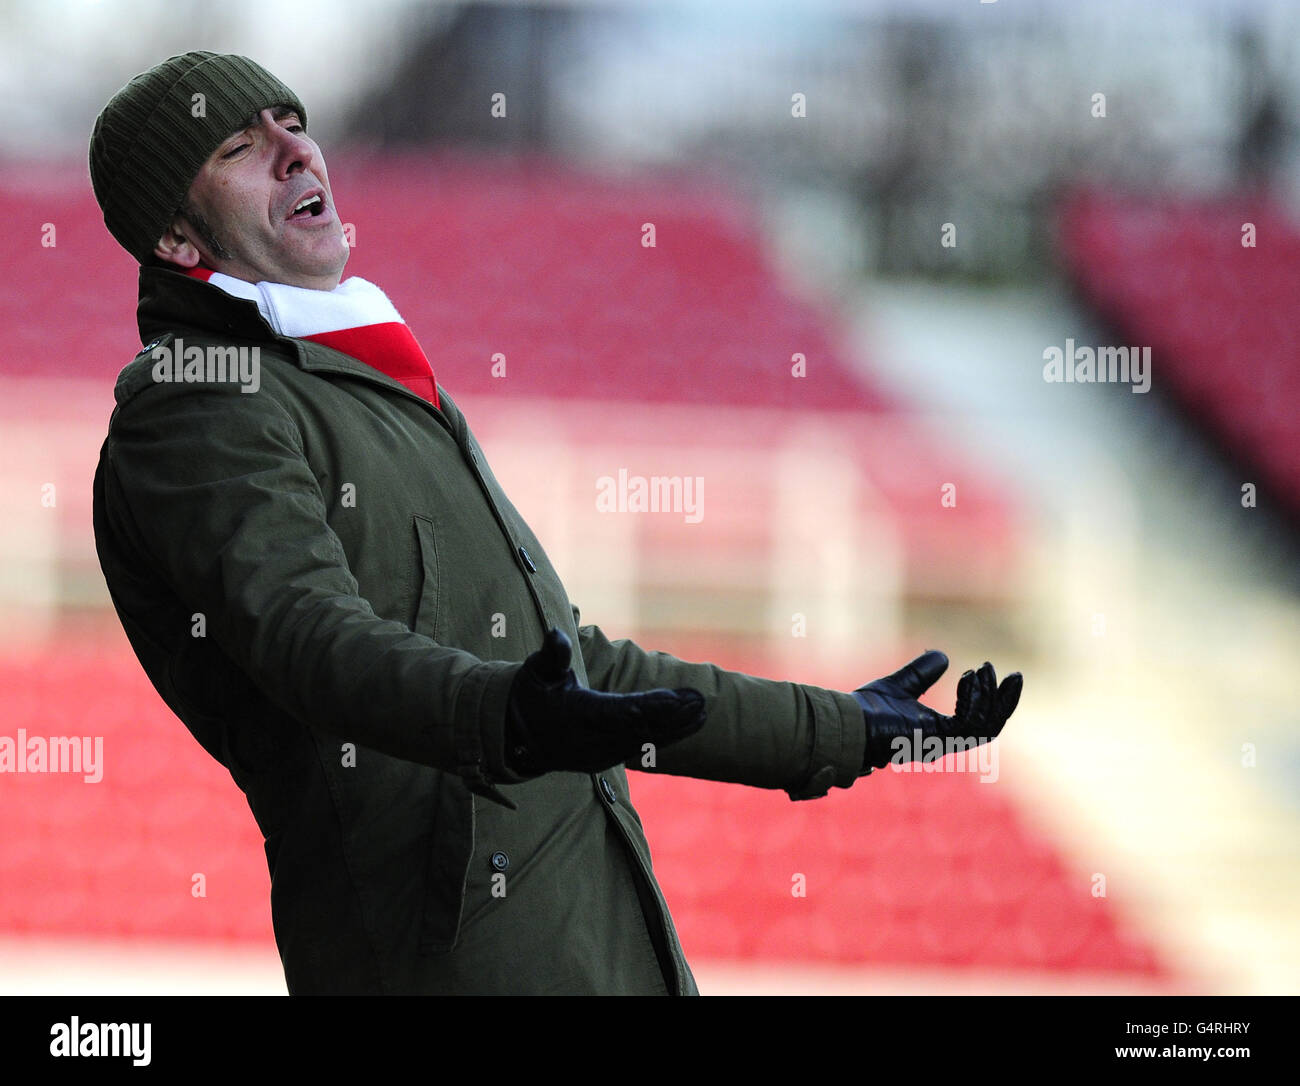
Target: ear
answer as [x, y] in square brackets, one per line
[175, 247]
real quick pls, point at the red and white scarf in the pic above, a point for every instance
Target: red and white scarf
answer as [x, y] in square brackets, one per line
[355, 317]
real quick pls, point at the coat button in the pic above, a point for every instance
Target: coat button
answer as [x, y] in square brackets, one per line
[500, 861]
[528, 560]
[607, 790]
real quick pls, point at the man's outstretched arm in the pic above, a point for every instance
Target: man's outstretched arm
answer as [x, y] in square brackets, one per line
[804, 739]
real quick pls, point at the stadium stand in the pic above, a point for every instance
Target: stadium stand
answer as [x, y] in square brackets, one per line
[1213, 287]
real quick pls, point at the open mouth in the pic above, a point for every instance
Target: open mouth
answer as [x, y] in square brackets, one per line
[309, 207]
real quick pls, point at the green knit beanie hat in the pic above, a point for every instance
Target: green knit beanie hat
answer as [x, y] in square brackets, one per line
[155, 134]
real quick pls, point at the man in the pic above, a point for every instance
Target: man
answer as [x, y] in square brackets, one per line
[323, 579]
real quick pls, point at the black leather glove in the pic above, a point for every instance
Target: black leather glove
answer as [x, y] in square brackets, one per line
[553, 723]
[891, 710]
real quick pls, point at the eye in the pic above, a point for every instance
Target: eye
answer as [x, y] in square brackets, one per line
[234, 151]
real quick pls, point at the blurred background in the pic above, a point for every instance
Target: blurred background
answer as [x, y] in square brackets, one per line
[872, 223]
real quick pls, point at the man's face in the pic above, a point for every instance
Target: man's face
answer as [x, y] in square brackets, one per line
[238, 217]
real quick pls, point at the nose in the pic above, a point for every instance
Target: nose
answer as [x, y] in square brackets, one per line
[293, 151]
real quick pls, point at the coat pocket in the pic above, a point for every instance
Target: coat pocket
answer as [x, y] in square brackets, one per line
[426, 618]
[453, 847]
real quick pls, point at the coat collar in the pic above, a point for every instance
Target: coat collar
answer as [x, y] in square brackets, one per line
[173, 302]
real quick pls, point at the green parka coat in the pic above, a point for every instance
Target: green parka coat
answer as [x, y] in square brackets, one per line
[348, 547]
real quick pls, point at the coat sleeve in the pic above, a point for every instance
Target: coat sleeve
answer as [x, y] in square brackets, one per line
[211, 488]
[760, 732]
